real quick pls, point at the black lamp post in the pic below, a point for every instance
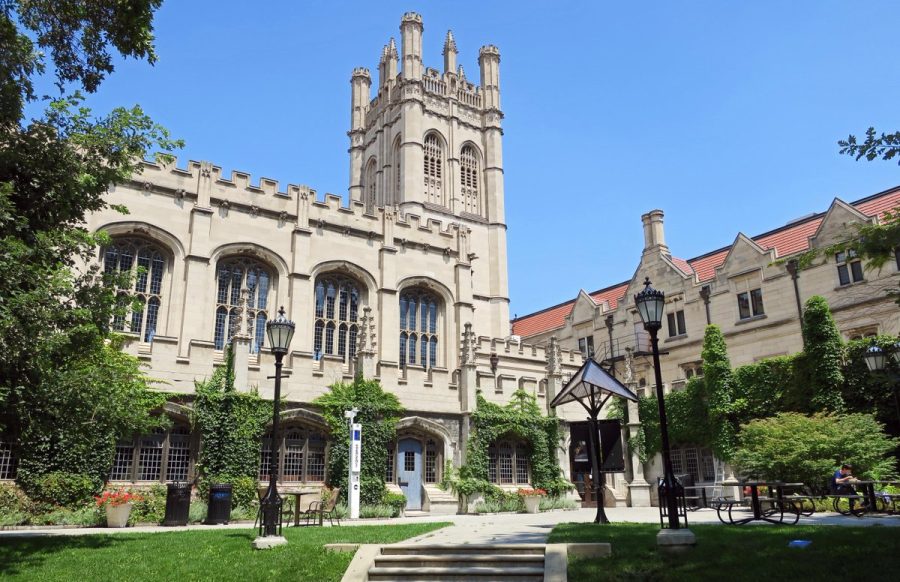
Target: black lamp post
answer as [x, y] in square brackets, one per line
[877, 362]
[280, 331]
[650, 304]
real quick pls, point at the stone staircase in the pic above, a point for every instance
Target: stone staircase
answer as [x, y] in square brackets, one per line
[460, 562]
[439, 502]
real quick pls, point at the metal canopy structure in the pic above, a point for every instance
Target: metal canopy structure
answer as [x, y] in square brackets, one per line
[592, 387]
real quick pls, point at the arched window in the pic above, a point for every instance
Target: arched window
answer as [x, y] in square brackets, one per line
[395, 156]
[232, 276]
[163, 455]
[419, 328]
[371, 200]
[434, 171]
[468, 180]
[508, 463]
[140, 302]
[337, 310]
[302, 454]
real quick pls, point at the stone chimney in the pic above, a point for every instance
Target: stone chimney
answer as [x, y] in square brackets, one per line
[654, 234]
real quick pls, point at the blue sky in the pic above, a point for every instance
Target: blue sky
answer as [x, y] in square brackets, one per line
[723, 114]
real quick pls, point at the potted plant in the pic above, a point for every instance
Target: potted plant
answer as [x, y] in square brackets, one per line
[532, 498]
[118, 506]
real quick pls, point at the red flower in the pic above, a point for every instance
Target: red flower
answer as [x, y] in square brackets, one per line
[116, 498]
[531, 492]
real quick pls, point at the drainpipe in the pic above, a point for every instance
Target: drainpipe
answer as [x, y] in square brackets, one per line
[793, 267]
[612, 353]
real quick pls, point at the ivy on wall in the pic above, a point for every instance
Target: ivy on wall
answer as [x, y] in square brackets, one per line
[719, 387]
[378, 414]
[522, 419]
[824, 357]
[231, 426]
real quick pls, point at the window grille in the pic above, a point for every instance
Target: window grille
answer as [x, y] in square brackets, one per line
[389, 471]
[430, 462]
[123, 462]
[506, 463]
[343, 293]
[750, 304]
[409, 461]
[265, 457]
[151, 456]
[179, 454]
[8, 462]
[139, 304]
[492, 463]
[849, 267]
[301, 458]
[419, 328]
[315, 467]
[293, 456]
[231, 277]
[433, 169]
[468, 177]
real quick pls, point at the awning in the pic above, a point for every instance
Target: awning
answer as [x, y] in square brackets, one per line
[590, 382]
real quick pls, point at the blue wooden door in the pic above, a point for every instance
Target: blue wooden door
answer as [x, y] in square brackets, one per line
[409, 471]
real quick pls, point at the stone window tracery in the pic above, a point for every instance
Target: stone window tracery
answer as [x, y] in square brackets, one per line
[302, 453]
[337, 310]
[397, 171]
[232, 276]
[433, 169]
[162, 455]
[140, 302]
[508, 463]
[468, 180]
[371, 200]
[419, 328]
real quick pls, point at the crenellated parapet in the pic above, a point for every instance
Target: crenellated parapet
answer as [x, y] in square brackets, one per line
[204, 185]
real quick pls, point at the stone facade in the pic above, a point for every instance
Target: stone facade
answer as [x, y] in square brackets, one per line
[751, 289]
[406, 283]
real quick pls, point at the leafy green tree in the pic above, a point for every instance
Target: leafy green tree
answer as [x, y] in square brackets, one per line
[864, 391]
[55, 168]
[378, 414]
[717, 378]
[823, 348]
[797, 448]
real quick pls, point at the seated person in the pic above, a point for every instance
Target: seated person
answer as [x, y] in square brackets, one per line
[842, 481]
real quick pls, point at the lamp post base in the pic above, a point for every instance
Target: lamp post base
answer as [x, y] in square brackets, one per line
[675, 540]
[268, 542]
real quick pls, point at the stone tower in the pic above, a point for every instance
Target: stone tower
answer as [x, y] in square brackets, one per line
[430, 144]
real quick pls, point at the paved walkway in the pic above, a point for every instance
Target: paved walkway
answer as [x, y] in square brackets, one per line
[507, 528]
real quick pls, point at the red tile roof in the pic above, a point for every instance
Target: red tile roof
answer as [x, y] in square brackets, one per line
[786, 240]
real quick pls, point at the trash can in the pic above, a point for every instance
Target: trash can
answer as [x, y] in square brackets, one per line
[219, 510]
[178, 504]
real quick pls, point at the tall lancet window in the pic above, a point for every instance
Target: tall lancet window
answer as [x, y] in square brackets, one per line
[434, 171]
[337, 317]
[395, 157]
[141, 301]
[232, 276]
[468, 180]
[419, 328]
[371, 200]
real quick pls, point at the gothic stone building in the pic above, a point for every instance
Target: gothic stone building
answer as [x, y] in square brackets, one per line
[751, 289]
[407, 283]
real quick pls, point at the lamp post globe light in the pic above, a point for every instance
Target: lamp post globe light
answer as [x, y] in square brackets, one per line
[876, 360]
[650, 304]
[280, 331]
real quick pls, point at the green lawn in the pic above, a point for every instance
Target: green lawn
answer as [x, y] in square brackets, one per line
[223, 554]
[753, 552]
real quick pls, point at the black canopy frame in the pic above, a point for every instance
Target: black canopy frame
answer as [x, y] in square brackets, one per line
[592, 387]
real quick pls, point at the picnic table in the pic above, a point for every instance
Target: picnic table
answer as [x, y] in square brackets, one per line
[869, 500]
[777, 505]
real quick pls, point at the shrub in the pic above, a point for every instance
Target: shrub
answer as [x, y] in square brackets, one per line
[65, 489]
[151, 506]
[550, 503]
[197, 512]
[397, 501]
[13, 499]
[379, 510]
[796, 448]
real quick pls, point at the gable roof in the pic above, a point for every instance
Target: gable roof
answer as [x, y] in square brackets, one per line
[785, 240]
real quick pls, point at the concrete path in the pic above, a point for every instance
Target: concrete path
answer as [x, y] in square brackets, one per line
[508, 528]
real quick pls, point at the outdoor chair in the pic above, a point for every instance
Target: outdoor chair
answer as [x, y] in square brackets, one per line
[319, 510]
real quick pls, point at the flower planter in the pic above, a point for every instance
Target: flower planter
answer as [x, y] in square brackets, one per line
[117, 515]
[532, 503]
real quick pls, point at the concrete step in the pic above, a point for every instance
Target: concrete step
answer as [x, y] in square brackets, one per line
[437, 549]
[442, 560]
[481, 573]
